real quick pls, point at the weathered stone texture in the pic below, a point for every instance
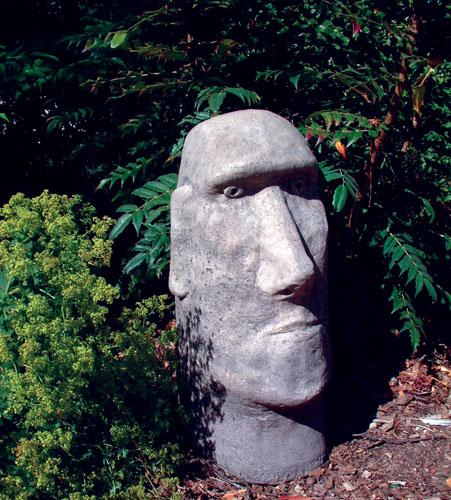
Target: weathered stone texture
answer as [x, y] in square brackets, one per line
[248, 269]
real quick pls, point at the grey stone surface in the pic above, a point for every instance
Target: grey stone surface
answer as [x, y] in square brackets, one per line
[248, 269]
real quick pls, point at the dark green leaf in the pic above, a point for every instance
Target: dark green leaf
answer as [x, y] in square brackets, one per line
[134, 262]
[120, 225]
[137, 220]
[340, 197]
[118, 39]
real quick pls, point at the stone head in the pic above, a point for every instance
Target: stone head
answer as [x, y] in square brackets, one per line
[248, 259]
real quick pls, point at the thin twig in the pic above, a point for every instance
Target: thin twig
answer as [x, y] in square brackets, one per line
[379, 441]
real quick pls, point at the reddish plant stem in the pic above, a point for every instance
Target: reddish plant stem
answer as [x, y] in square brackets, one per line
[415, 125]
[373, 162]
[416, 112]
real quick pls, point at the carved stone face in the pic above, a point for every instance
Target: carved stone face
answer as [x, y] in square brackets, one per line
[248, 258]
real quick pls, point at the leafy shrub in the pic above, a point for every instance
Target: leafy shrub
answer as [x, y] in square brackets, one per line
[87, 401]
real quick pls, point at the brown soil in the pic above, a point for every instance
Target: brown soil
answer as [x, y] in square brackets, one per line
[397, 457]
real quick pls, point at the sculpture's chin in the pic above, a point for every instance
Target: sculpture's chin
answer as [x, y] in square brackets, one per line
[284, 398]
[275, 391]
[289, 401]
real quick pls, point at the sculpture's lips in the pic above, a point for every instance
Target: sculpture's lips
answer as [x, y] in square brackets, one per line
[310, 325]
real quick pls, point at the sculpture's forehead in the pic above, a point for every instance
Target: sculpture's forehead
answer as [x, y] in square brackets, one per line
[243, 144]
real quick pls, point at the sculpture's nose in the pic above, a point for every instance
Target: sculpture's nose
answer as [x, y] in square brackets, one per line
[285, 269]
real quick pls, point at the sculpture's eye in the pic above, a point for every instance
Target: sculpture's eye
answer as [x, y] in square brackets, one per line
[233, 192]
[299, 185]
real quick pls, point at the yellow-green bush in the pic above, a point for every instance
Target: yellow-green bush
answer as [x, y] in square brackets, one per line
[86, 405]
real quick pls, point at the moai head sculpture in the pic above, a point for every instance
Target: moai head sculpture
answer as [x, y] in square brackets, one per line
[248, 269]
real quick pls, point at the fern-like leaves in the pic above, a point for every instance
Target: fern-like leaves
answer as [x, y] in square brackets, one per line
[213, 97]
[408, 259]
[122, 174]
[338, 125]
[347, 186]
[411, 323]
[151, 221]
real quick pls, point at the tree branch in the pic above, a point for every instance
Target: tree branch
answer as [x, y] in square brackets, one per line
[367, 186]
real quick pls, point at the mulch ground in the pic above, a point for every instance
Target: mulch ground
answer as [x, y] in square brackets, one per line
[399, 456]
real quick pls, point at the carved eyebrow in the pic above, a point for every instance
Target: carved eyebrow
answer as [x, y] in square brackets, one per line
[255, 181]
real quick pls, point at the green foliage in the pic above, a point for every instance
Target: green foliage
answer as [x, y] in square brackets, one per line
[151, 220]
[340, 125]
[402, 305]
[87, 400]
[213, 98]
[409, 260]
[347, 186]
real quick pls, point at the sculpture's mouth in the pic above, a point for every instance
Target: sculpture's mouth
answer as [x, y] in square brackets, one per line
[305, 322]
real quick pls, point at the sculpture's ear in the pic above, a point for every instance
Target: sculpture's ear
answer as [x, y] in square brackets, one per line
[180, 278]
